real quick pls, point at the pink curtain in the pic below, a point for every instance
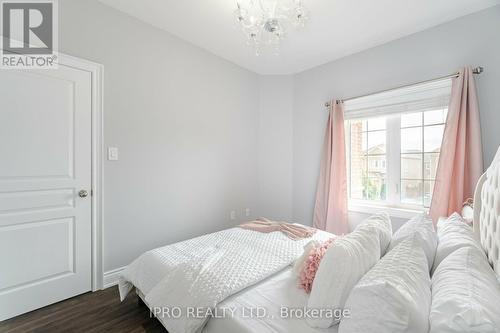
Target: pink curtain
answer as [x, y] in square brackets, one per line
[330, 211]
[461, 160]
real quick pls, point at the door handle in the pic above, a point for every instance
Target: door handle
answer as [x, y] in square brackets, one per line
[83, 194]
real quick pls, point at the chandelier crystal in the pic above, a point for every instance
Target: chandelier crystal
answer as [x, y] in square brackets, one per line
[266, 22]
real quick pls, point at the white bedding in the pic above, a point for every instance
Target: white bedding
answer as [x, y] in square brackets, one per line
[218, 265]
[278, 291]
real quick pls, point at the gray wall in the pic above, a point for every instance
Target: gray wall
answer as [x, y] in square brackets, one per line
[471, 40]
[185, 122]
[275, 147]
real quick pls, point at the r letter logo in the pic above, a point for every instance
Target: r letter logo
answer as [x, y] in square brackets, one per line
[29, 34]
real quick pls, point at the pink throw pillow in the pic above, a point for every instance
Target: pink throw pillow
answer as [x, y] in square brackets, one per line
[311, 265]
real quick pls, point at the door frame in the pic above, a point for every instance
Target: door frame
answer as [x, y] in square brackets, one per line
[97, 80]
[97, 94]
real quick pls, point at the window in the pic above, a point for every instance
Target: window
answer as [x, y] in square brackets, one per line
[368, 156]
[393, 146]
[421, 136]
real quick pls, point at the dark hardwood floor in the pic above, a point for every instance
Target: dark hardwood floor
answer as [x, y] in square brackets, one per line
[96, 312]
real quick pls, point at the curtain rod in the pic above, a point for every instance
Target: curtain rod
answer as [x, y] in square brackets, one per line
[477, 70]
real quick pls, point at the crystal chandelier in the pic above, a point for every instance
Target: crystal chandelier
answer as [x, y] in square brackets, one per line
[265, 22]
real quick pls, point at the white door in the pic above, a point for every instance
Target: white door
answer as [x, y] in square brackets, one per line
[45, 160]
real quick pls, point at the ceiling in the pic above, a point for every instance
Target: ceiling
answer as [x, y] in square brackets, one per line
[336, 27]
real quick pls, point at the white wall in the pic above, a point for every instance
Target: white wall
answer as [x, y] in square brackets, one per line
[275, 147]
[185, 122]
[471, 40]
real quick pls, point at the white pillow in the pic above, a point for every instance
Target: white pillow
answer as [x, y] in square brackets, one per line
[453, 233]
[394, 296]
[347, 259]
[465, 294]
[422, 225]
[383, 224]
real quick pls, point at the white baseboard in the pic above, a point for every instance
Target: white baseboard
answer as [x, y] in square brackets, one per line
[111, 277]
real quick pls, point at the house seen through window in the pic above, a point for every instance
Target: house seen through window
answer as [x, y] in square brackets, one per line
[401, 151]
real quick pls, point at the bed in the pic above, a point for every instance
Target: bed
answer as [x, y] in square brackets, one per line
[280, 288]
[146, 274]
[486, 222]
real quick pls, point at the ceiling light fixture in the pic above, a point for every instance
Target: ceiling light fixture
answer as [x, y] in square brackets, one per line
[266, 22]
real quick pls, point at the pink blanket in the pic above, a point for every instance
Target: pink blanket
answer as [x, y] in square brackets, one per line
[293, 231]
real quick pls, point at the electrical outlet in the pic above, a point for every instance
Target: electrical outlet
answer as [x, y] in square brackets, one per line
[112, 154]
[247, 212]
[232, 215]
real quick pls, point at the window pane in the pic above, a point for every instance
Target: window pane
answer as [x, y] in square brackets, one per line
[358, 173]
[357, 160]
[358, 139]
[368, 162]
[376, 166]
[433, 135]
[411, 119]
[411, 140]
[430, 165]
[411, 166]
[374, 188]
[358, 125]
[435, 117]
[411, 192]
[357, 189]
[376, 124]
[428, 188]
[376, 142]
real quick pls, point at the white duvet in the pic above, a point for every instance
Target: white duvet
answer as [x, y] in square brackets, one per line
[199, 273]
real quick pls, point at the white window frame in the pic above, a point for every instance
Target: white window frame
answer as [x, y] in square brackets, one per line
[393, 156]
[392, 204]
[392, 104]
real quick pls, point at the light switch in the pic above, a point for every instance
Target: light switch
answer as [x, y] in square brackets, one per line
[247, 212]
[112, 153]
[232, 215]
